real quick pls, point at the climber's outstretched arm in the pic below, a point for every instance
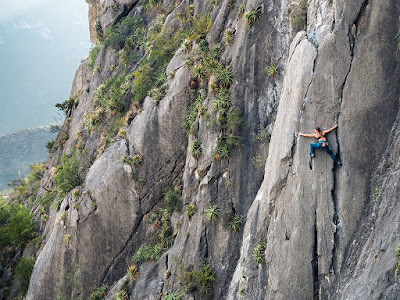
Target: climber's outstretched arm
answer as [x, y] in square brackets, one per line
[330, 129]
[306, 135]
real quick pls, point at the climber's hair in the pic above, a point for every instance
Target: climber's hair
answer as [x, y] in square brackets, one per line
[318, 129]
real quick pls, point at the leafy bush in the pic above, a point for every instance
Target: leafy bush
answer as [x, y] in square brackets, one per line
[262, 135]
[173, 296]
[298, 17]
[201, 278]
[99, 31]
[241, 10]
[112, 94]
[229, 36]
[17, 226]
[195, 149]
[234, 119]
[67, 237]
[76, 194]
[375, 196]
[191, 209]
[252, 16]
[259, 253]
[224, 75]
[100, 293]
[165, 236]
[93, 119]
[150, 4]
[122, 133]
[64, 216]
[23, 272]
[186, 45]
[69, 104]
[203, 46]
[127, 32]
[137, 159]
[192, 112]
[224, 147]
[259, 162]
[160, 51]
[198, 27]
[158, 93]
[127, 160]
[172, 200]
[94, 52]
[28, 188]
[214, 3]
[50, 145]
[236, 223]
[121, 295]
[68, 175]
[133, 272]
[199, 71]
[213, 213]
[147, 253]
[272, 70]
[46, 200]
[223, 101]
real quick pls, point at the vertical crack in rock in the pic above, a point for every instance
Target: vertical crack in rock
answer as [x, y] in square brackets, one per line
[314, 262]
[312, 76]
[336, 223]
[134, 229]
[352, 33]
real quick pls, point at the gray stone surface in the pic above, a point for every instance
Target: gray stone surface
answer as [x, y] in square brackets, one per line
[326, 238]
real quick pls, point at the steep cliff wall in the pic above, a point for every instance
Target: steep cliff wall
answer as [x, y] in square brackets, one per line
[320, 232]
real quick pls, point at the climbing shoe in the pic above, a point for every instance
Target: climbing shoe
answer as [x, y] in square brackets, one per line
[312, 155]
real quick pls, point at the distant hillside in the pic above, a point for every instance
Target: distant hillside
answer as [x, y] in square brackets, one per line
[20, 149]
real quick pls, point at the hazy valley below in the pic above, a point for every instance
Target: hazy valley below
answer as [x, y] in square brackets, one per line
[20, 149]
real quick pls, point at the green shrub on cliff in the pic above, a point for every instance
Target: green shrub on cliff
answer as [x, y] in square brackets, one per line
[100, 293]
[94, 52]
[17, 226]
[224, 147]
[150, 4]
[199, 278]
[111, 95]
[68, 175]
[172, 200]
[252, 16]
[128, 32]
[23, 272]
[236, 222]
[173, 296]
[213, 213]
[298, 17]
[195, 149]
[69, 104]
[28, 188]
[259, 253]
[147, 253]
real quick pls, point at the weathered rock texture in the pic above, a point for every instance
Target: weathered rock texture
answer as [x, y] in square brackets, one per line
[326, 238]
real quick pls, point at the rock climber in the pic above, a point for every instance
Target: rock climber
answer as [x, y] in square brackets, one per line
[322, 142]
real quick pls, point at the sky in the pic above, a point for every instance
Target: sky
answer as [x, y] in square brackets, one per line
[42, 43]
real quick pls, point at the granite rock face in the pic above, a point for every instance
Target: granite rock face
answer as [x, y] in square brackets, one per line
[329, 232]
